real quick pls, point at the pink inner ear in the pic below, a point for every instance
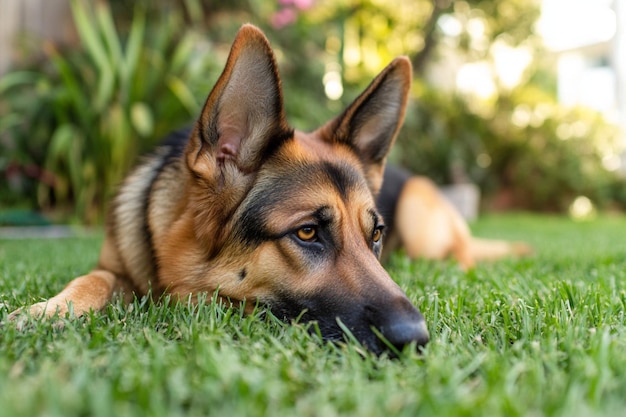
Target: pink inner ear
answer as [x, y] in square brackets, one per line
[229, 141]
[227, 151]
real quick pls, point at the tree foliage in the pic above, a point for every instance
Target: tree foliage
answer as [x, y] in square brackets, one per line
[70, 127]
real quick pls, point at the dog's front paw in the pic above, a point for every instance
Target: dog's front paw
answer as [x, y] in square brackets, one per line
[22, 316]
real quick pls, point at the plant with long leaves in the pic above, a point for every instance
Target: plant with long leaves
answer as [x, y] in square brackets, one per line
[81, 118]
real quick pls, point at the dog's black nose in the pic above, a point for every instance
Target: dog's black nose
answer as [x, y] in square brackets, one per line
[402, 324]
[402, 333]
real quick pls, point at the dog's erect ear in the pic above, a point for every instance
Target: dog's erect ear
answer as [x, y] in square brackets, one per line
[243, 117]
[370, 124]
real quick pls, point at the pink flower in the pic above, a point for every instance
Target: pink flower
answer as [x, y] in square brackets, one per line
[300, 4]
[303, 4]
[284, 17]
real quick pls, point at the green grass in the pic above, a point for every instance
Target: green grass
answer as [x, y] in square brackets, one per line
[532, 337]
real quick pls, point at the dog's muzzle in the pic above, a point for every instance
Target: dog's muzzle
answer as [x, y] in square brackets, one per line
[387, 321]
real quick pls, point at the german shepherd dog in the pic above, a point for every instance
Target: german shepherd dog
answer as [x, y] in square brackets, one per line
[247, 207]
[420, 219]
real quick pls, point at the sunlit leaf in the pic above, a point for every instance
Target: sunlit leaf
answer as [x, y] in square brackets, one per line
[17, 78]
[183, 93]
[133, 47]
[109, 33]
[141, 118]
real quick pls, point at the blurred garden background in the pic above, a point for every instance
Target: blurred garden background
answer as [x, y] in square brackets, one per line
[511, 95]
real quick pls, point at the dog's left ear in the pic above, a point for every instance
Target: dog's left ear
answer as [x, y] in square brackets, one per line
[370, 124]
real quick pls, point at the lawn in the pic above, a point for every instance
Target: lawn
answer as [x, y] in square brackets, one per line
[532, 337]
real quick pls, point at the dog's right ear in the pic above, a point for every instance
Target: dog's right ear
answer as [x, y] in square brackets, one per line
[243, 118]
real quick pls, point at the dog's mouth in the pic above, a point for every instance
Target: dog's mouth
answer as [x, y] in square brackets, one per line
[385, 329]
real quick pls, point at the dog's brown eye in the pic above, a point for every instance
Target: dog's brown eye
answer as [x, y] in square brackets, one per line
[307, 233]
[378, 233]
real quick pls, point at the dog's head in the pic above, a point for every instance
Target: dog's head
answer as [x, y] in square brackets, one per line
[287, 219]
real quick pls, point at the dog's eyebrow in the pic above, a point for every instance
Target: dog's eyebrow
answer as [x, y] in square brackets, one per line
[323, 215]
[343, 177]
[376, 218]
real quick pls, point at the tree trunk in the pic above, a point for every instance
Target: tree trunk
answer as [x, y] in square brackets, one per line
[420, 59]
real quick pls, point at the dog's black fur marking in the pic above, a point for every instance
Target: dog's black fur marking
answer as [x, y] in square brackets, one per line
[252, 227]
[387, 200]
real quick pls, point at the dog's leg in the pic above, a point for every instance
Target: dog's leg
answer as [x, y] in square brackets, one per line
[85, 293]
[430, 227]
[422, 221]
[492, 249]
[461, 249]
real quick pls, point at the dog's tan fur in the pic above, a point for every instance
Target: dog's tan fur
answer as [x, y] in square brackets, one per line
[428, 226]
[247, 207]
[261, 213]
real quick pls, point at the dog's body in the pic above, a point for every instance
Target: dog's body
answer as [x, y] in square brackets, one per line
[420, 219]
[248, 207]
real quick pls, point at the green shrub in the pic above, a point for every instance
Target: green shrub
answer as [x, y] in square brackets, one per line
[537, 153]
[80, 118]
[72, 125]
[442, 138]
